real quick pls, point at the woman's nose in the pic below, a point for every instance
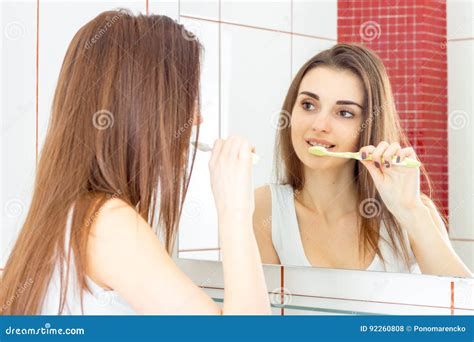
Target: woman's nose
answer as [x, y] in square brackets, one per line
[321, 122]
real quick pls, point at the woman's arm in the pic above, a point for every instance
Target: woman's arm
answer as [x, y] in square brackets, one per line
[231, 180]
[399, 188]
[430, 242]
[245, 288]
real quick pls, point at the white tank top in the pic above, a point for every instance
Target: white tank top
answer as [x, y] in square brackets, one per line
[100, 302]
[287, 241]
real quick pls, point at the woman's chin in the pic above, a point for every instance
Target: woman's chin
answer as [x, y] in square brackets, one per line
[319, 163]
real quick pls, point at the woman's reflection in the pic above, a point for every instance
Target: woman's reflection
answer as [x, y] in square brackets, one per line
[345, 213]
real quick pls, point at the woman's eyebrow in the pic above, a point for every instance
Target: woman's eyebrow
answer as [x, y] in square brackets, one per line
[340, 102]
[314, 96]
[346, 102]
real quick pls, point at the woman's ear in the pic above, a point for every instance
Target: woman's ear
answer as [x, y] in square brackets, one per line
[197, 119]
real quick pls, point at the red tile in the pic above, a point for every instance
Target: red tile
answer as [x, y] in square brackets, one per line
[414, 53]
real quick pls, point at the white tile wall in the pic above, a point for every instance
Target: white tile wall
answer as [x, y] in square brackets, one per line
[316, 18]
[269, 14]
[18, 118]
[465, 250]
[303, 48]
[255, 77]
[208, 9]
[198, 226]
[169, 8]
[460, 23]
[460, 47]
[460, 137]
[464, 294]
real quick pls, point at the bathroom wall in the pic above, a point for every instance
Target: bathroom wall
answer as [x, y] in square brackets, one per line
[251, 54]
[460, 47]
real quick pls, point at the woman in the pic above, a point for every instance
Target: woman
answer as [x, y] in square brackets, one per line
[117, 146]
[342, 213]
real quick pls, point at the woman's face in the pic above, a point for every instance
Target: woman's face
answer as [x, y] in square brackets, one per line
[328, 111]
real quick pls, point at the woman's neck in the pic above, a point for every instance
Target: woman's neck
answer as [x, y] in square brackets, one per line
[330, 194]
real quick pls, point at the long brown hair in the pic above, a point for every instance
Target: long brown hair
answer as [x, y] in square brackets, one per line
[380, 123]
[120, 127]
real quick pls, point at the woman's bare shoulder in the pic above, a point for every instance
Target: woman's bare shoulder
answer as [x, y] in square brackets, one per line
[117, 228]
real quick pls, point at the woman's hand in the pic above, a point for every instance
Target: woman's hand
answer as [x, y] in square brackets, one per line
[231, 177]
[398, 186]
[231, 181]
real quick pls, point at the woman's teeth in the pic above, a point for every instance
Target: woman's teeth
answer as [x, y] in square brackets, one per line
[318, 144]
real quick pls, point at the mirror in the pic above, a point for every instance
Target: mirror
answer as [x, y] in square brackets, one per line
[253, 52]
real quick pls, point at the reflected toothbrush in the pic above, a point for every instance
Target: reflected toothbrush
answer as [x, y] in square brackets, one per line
[322, 151]
[203, 147]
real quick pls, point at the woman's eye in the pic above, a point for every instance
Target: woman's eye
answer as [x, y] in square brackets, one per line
[307, 105]
[346, 114]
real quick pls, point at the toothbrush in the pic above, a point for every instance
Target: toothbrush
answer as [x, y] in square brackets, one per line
[322, 151]
[203, 147]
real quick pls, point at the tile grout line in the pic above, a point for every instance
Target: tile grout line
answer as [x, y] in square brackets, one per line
[258, 28]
